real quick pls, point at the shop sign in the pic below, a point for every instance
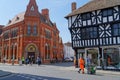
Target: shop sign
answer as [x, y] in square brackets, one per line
[81, 50]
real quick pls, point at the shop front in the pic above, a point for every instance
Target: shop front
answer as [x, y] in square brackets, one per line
[107, 58]
[111, 57]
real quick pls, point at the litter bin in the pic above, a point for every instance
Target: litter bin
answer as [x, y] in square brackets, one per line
[91, 69]
[20, 62]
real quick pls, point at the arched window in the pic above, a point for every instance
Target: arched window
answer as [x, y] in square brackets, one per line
[4, 52]
[12, 52]
[47, 51]
[7, 52]
[15, 52]
[35, 30]
[29, 30]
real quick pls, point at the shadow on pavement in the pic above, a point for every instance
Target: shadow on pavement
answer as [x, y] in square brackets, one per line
[30, 77]
[4, 73]
[63, 64]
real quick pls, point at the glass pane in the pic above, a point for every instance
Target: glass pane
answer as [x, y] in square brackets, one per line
[104, 12]
[115, 32]
[109, 12]
[115, 26]
[34, 30]
[29, 30]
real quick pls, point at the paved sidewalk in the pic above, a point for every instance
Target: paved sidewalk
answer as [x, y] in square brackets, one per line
[4, 73]
[72, 68]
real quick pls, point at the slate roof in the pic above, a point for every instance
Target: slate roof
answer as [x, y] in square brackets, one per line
[16, 19]
[20, 17]
[94, 5]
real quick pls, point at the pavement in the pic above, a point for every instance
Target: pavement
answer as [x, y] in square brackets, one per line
[70, 68]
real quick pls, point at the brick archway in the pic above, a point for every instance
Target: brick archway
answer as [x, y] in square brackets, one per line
[31, 50]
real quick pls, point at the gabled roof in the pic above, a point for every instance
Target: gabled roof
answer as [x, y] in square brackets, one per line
[95, 5]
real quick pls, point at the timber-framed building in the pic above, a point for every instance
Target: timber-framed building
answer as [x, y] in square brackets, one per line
[95, 32]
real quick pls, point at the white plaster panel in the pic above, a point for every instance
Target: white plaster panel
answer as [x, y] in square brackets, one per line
[88, 43]
[84, 23]
[105, 19]
[110, 40]
[83, 42]
[69, 22]
[101, 41]
[118, 39]
[110, 18]
[114, 40]
[89, 22]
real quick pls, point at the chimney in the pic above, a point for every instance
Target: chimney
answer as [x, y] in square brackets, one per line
[45, 12]
[73, 6]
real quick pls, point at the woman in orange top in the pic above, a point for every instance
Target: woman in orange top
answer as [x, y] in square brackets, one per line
[81, 63]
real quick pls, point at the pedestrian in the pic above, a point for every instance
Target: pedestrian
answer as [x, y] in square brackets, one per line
[102, 63]
[30, 60]
[38, 60]
[23, 60]
[12, 60]
[88, 64]
[26, 61]
[4, 60]
[81, 65]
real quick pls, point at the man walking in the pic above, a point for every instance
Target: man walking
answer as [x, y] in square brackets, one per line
[81, 63]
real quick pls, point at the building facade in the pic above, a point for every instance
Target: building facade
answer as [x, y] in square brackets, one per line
[95, 32]
[68, 51]
[31, 33]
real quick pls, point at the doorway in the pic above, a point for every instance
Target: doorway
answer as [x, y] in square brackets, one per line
[32, 56]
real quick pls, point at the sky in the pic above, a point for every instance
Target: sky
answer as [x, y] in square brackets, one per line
[58, 9]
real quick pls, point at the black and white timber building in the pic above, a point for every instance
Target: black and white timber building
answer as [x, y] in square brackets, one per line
[95, 32]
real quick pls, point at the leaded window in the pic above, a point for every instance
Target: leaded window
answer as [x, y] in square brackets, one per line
[29, 30]
[47, 51]
[14, 33]
[35, 30]
[88, 33]
[107, 12]
[86, 16]
[116, 29]
[6, 35]
[48, 34]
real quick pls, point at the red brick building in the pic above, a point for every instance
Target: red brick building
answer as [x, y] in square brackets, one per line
[31, 33]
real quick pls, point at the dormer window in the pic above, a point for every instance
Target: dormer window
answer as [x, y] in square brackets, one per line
[32, 8]
[17, 18]
[9, 21]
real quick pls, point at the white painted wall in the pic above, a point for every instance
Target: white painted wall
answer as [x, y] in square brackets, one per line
[68, 51]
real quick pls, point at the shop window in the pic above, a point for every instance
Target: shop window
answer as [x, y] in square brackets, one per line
[111, 57]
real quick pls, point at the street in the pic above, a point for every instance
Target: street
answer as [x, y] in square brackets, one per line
[59, 71]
